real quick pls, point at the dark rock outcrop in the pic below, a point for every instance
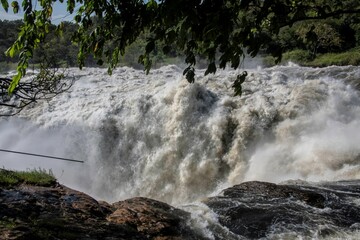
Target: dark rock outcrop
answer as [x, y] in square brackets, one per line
[258, 209]
[58, 212]
[152, 218]
[267, 191]
[251, 210]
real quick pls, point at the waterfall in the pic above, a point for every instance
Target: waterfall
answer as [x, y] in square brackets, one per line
[158, 136]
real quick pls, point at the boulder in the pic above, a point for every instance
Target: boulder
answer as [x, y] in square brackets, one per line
[261, 210]
[154, 219]
[58, 212]
[265, 190]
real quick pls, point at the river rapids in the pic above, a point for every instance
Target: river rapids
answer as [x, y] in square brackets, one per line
[160, 137]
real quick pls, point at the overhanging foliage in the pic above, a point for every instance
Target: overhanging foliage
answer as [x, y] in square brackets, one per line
[222, 31]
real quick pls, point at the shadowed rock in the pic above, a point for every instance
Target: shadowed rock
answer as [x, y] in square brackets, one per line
[152, 218]
[250, 210]
[58, 212]
[258, 209]
[267, 190]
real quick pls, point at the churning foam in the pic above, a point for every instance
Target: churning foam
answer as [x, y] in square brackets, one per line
[158, 136]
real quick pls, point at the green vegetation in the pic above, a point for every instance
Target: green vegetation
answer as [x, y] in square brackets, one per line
[220, 31]
[7, 223]
[60, 51]
[303, 58]
[351, 57]
[331, 41]
[57, 50]
[298, 56]
[34, 177]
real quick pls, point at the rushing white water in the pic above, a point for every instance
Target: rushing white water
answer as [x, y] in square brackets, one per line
[160, 137]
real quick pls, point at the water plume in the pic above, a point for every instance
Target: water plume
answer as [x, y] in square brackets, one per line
[158, 136]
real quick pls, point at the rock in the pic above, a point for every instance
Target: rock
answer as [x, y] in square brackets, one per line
[58, 212]
[251, 210]
[271, 191]
[152, 218]
[258, 209]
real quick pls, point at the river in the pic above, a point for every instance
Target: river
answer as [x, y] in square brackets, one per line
[158, 136]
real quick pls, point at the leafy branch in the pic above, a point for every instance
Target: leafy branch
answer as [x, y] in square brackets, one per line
[222, 31]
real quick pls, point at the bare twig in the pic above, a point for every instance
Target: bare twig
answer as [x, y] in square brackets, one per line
[48, 83]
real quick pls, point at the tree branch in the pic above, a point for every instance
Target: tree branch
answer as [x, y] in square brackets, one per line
[46, 85]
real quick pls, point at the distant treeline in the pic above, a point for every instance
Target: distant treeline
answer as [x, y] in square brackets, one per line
[59, 50]
[333, 41]
[306, 40]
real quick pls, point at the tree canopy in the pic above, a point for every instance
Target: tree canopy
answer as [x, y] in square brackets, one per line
[222, 31]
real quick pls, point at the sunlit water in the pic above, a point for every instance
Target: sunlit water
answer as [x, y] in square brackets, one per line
[158, 136]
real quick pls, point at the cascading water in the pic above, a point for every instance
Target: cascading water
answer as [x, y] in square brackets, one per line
[158, 136]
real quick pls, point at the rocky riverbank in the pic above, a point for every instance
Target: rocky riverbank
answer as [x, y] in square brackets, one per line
[29, 211]
[297, 210]
[251, 210]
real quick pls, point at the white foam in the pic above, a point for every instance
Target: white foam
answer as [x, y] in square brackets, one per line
[158, 136]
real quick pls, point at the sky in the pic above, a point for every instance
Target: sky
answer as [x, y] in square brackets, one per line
[59, 13]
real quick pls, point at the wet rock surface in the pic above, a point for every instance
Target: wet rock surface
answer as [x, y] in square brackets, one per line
[261, 210]
[251, 210]
[152, 218]
[58, 212]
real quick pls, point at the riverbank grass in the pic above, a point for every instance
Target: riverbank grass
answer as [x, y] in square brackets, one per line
[36, 177]
[351, 57]
[303, 58]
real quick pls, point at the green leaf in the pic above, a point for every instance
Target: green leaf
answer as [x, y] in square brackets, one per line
[5, 5]
[235, 61]
[110, 71]
[49, 12]
[77, 18]
[150, 46]
[70, 6]
[189, 73]
[211, 68]
[14, 82]
[27, 7]
[15, 6]
[152, 4]
[11, 51]
[59, 29]
[237, 85]
[190, 58]
[146, 61]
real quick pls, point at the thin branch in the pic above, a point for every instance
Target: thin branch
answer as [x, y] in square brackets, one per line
[49, 83]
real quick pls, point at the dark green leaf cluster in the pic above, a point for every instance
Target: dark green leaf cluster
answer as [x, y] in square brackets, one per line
[222, 31]
[8, 35]
[240, 79]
